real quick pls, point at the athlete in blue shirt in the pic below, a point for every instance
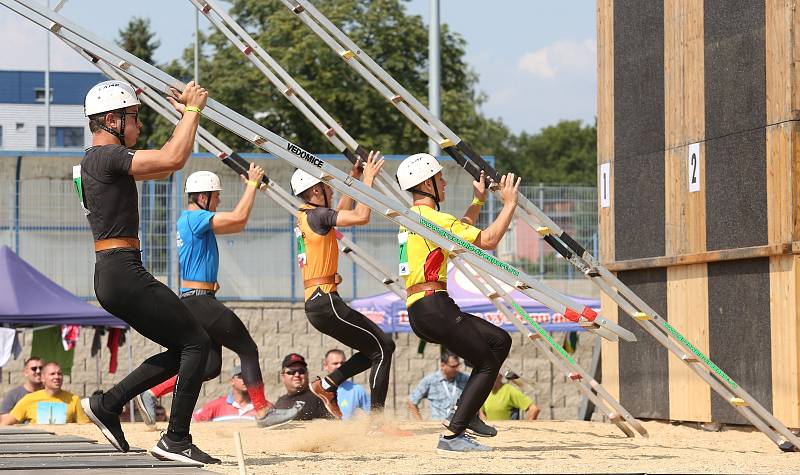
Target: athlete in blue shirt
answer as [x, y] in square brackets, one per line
[197, 228]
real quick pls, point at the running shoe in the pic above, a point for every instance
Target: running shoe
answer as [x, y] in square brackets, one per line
[106, 421]
[277, 417]
[476, 425]
[146, 403]
[461, 443]
[182, 451]
[328, 398]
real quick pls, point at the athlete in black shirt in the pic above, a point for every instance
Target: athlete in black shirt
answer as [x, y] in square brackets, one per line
[106, 185]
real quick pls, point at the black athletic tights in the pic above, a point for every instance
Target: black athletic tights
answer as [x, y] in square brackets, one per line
[437, 319]
[330, 315]
[225, 329]
[126, 290]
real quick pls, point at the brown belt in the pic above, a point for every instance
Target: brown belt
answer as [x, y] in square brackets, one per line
[191, 284]
[328, 279]
[426, 286]
[115, 243]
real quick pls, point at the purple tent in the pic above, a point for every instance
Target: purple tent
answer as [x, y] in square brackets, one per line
[389, 312]
[29, 297]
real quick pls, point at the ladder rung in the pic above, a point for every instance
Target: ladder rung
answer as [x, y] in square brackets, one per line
[206, 8]
[493, 296]
[575, 376]
[298, 9]
[288, 91]
[738, 402]
[534, 336]
[258, 140]
[347, 54]
[330, 132]
[247, 49]
[641, 316]
[326, 177]
[521, 285]
[396, 99]
[388, 281]
[391, 213]
[614, 417]
[55, 27]
[455, 249]
[222, 155]
[123, 65]
[346, 250]
[446, 143]
[543, 231]
[689, 358]
[587, 324]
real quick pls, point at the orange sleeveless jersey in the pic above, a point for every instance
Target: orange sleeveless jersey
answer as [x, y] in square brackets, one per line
[322, 254]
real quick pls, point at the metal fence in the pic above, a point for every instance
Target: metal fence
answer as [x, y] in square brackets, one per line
[40, 219]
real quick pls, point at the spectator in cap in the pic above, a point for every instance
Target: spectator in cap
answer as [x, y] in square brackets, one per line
[236, 405]
[294, 375]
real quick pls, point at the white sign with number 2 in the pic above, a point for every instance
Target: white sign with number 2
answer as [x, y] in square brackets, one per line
[694, 167]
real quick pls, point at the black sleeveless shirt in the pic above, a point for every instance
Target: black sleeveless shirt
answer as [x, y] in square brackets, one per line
[110, 192]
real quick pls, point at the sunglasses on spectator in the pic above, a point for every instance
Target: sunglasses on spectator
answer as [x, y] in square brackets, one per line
[36, 368]
[292, 372]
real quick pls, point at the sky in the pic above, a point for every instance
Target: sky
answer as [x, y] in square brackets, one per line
[536, 59]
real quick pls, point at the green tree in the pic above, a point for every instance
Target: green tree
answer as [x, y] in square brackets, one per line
[383, 28]
[137, 39]
[561, 153]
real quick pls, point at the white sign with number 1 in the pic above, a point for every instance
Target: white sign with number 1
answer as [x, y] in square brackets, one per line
[605, 184]
[693, 168]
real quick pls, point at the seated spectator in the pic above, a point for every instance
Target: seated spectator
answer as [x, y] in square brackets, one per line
[235, 405]
[442, 388]
[349, 395]
[504, 399]
[51, 397]
[32, 372]
[294, 374]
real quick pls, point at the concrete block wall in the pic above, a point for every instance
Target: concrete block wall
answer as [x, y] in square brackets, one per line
[281, 328]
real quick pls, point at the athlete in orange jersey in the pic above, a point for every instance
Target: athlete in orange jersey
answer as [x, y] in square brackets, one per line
[318, 256]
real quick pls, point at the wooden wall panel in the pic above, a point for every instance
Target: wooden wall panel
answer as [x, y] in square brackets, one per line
[783, 60]
[610, 349]
[605, 120]
[687, 297]
[785, 329]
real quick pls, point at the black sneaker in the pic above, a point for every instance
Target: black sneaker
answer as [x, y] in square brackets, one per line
[106, 421]
[476, 425]
[183, 451]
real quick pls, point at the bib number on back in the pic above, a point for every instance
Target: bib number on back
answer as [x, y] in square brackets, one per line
[301, 247]
[76, 179]
[402, 240]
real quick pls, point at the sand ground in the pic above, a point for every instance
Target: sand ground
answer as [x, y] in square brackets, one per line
[520, 447]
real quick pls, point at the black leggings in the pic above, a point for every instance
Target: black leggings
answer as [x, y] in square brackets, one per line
[330, 315]
[437, 319]
[225, 329]
[126, 290]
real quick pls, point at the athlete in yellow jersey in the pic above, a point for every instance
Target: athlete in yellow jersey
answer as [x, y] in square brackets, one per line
[433, 315]
[318, 256]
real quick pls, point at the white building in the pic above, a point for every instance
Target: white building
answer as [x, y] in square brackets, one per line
[23, 116]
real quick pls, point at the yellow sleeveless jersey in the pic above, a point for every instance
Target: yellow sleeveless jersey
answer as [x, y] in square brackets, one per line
[318, 254]
[423, 261]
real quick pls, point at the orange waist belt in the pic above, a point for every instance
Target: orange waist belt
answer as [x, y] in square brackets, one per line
[191, 284]
[328, 279]
[424, 286]
[116, 243]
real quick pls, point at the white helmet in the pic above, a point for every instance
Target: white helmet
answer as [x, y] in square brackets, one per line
[109, 96]
[301, 181]
[202, 181]
[416, 169]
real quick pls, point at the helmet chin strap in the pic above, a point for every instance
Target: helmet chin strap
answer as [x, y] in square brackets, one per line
[208, 201]
[119, 134]
[434, 196]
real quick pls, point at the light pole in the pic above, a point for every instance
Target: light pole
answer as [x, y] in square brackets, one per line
[434, 70]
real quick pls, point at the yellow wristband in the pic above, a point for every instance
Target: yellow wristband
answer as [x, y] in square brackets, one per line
[252, 183]
[477, 202]
[191, 109]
